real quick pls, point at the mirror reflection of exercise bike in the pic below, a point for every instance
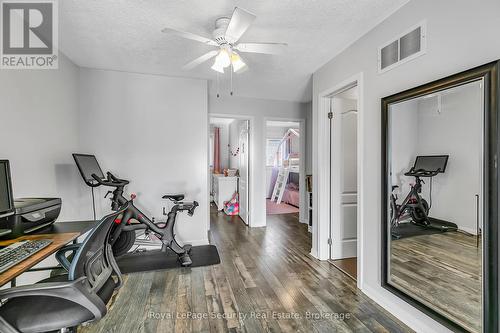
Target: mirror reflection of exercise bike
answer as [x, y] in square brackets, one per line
[414, 206]
[124, 232]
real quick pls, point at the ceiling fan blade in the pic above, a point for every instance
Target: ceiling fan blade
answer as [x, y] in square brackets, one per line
[200, 60]
[240, 22]
[266, 48]
[189, 35]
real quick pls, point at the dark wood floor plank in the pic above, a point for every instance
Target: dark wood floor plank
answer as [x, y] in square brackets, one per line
[227, 298]
[267, 282]
[155, 300]
[198, 300]
[214, 305]
[184, 305]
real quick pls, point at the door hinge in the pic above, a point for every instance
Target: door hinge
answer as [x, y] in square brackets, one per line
[329, 241]
[330, 115]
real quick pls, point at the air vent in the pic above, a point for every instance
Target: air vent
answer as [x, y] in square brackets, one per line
[402, 49]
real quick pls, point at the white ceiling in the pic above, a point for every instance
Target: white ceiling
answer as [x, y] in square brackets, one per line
[126, 35]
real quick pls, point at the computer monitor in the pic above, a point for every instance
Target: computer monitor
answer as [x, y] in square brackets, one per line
[6, 197]
[435, 163]
[88, 165]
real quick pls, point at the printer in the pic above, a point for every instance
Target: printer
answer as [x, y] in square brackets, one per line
[31, 214]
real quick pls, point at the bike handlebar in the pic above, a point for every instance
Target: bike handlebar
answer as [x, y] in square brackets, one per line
[422, 173]
[191, 211]
[110, 181]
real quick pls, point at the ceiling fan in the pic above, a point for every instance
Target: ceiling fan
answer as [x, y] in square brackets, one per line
[226, 35]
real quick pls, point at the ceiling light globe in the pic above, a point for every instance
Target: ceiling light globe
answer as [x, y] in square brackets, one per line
[223, 58]
[238, 64]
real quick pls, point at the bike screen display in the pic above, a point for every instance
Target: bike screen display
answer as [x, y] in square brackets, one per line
[88, 165]
[431, 163]
[6, 203]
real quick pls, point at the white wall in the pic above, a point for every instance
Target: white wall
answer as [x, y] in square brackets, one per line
[417, 128]
[455, 131]
[459, 36]
[404, 136]
[153, 131]
[39, 132]
[257, 110]
[275, 132]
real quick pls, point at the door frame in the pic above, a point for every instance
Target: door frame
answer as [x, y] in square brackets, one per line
[251, 167]
[302, 166]
[247, 161]
[321, 175]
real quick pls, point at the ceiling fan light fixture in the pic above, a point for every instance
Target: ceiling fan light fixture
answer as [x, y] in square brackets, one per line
[238, 63]
[218, 67]
[223, 59]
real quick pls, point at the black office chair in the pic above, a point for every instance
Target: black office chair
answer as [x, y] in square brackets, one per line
[67, 300]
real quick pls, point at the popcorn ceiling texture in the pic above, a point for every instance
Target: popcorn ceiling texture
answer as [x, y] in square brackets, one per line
[126, 36]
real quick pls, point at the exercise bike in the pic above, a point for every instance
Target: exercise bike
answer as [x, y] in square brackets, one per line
[414, 206]
[123, 234]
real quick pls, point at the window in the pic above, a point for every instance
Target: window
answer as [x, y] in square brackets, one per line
[272, 147]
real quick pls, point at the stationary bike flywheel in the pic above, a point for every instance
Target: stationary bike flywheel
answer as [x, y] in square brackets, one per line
[124, 242]
[418, 215]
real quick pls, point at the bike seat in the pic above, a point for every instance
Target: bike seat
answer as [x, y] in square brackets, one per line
[174, 197]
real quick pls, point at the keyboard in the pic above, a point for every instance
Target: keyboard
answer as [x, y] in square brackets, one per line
[17, 252]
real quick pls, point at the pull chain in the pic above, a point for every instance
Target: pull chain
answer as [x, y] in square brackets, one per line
[232, 79]
[218, 95]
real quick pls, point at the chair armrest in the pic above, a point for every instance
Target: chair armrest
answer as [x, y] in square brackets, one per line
[74, 291]
[114, 265]
[61, 255]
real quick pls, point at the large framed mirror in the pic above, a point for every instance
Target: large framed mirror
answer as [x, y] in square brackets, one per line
[440, 198]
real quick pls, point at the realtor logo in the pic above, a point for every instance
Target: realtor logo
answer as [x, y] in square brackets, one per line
[29, 34]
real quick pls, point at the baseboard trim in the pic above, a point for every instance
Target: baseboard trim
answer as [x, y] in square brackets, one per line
[468, 230]
[314, 253]
[197, 242]
[406, 317]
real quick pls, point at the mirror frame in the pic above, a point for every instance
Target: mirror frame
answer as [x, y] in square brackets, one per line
[490, 73]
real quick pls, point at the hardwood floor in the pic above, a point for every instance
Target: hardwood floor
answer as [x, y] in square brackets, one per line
[442, 270]
[266, 282]
[347, 265]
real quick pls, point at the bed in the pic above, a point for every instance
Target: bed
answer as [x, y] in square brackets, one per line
[291, 195]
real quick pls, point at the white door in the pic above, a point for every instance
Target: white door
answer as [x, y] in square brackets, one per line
[344, 203]
[243, 167]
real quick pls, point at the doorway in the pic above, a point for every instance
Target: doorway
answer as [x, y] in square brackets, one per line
[283, 156]
[229, 165]
[343, 133]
